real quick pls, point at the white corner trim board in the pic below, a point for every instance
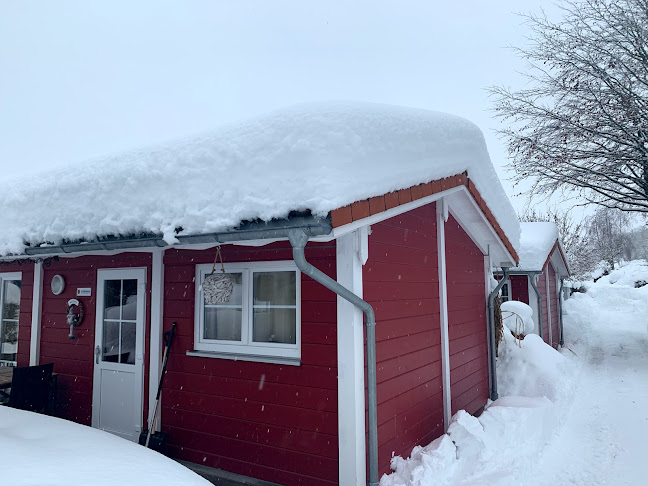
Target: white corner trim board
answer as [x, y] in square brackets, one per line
[442, 216]
[350, 355]
[37, 305]
[157, 328]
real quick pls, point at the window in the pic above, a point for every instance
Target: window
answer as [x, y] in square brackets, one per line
[10, 313]
[260, 318]
[505, 292]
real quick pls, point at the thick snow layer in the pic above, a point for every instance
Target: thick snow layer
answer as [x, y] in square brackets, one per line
[536, 241]
[588, 428]
[517, 316]
[42, 450]
[313, 156]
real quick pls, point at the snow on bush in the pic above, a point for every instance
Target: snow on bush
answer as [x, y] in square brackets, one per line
[517, 316]
[629, 273]
[42, 450]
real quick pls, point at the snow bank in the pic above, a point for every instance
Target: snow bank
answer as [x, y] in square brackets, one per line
[536, 241]
[517, 316]
[42, 450]
[313, 156]
[509, 435]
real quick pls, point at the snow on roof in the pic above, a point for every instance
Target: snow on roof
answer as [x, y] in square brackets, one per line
[536, 241]
[316, 157]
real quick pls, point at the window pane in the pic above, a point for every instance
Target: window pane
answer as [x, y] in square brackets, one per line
[112, 293]
[223, 323]
[129, 299]
[11, 307]
[9, 340]
[215, 288]
[275, 326]
[275, 288]
[128, 343]
[111, 341]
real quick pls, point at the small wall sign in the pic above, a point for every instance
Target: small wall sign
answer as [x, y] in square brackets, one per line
[84, 292]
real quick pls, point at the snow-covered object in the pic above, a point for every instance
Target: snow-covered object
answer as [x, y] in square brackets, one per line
[536, 241]
[312, 156]
[517, 316]
[42, 450]
[530, 368]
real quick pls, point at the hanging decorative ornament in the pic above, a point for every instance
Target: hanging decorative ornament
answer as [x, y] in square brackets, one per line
[217, 287]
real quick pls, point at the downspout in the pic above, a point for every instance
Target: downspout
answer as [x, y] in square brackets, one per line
[491, 334]
[298, 239]
[560, 315]
[539, 297]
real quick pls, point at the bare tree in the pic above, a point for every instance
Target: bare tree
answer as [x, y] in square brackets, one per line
[583, 121]
[610, 236]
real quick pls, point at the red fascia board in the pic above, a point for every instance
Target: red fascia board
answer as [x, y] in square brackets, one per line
[377, 204]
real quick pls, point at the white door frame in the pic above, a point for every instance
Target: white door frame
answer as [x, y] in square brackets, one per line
[121, 274]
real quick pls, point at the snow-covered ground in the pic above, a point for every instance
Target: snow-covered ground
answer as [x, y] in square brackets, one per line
[37, 450]
[579, 417]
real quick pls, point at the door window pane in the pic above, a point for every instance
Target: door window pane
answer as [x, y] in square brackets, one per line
[275, 326]
[11, 299]
[129, 299]
[112, 299]
[9, 321]
[111, 341]
[128, 335]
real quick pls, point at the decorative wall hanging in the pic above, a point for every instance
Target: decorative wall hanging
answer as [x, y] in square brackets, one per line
[217, 287]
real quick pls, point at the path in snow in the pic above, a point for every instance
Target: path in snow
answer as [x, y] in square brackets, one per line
[603, 436]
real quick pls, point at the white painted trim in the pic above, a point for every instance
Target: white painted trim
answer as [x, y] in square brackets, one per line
[157, 330]
[548, 294]
[442, 211]
[533, 303]
[350, 355]
[37, 307]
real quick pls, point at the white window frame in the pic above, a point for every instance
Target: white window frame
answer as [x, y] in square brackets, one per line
[246, 348]
[3, 277]
[508, 288]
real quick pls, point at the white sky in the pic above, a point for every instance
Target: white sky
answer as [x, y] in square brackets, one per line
[80, 79]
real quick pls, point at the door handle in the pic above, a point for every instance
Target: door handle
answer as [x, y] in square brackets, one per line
[97, 353]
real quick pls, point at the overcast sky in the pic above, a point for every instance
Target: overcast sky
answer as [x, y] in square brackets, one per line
[79, 79]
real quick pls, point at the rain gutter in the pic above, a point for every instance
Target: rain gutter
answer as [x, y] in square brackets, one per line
[246, 231]
[298, 239]
[491, 334]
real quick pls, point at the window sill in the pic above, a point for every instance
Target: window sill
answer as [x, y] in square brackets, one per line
[246, 357]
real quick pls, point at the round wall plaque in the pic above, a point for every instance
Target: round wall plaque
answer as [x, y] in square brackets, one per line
[57, 284]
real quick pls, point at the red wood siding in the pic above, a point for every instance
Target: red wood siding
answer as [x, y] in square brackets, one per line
[268, 421]
[466, 320]
[542, 288]
[24, 319]
[520, 288]
[74, 359]
[400, 280]
[553, 293]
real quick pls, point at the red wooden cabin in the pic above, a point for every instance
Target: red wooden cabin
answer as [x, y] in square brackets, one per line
[271, 383]
[543, 264]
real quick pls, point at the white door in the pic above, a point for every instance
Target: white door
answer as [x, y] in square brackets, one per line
[118, 386]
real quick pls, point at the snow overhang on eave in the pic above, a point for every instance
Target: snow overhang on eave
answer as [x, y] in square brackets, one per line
[256, 231]
[465, 205]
